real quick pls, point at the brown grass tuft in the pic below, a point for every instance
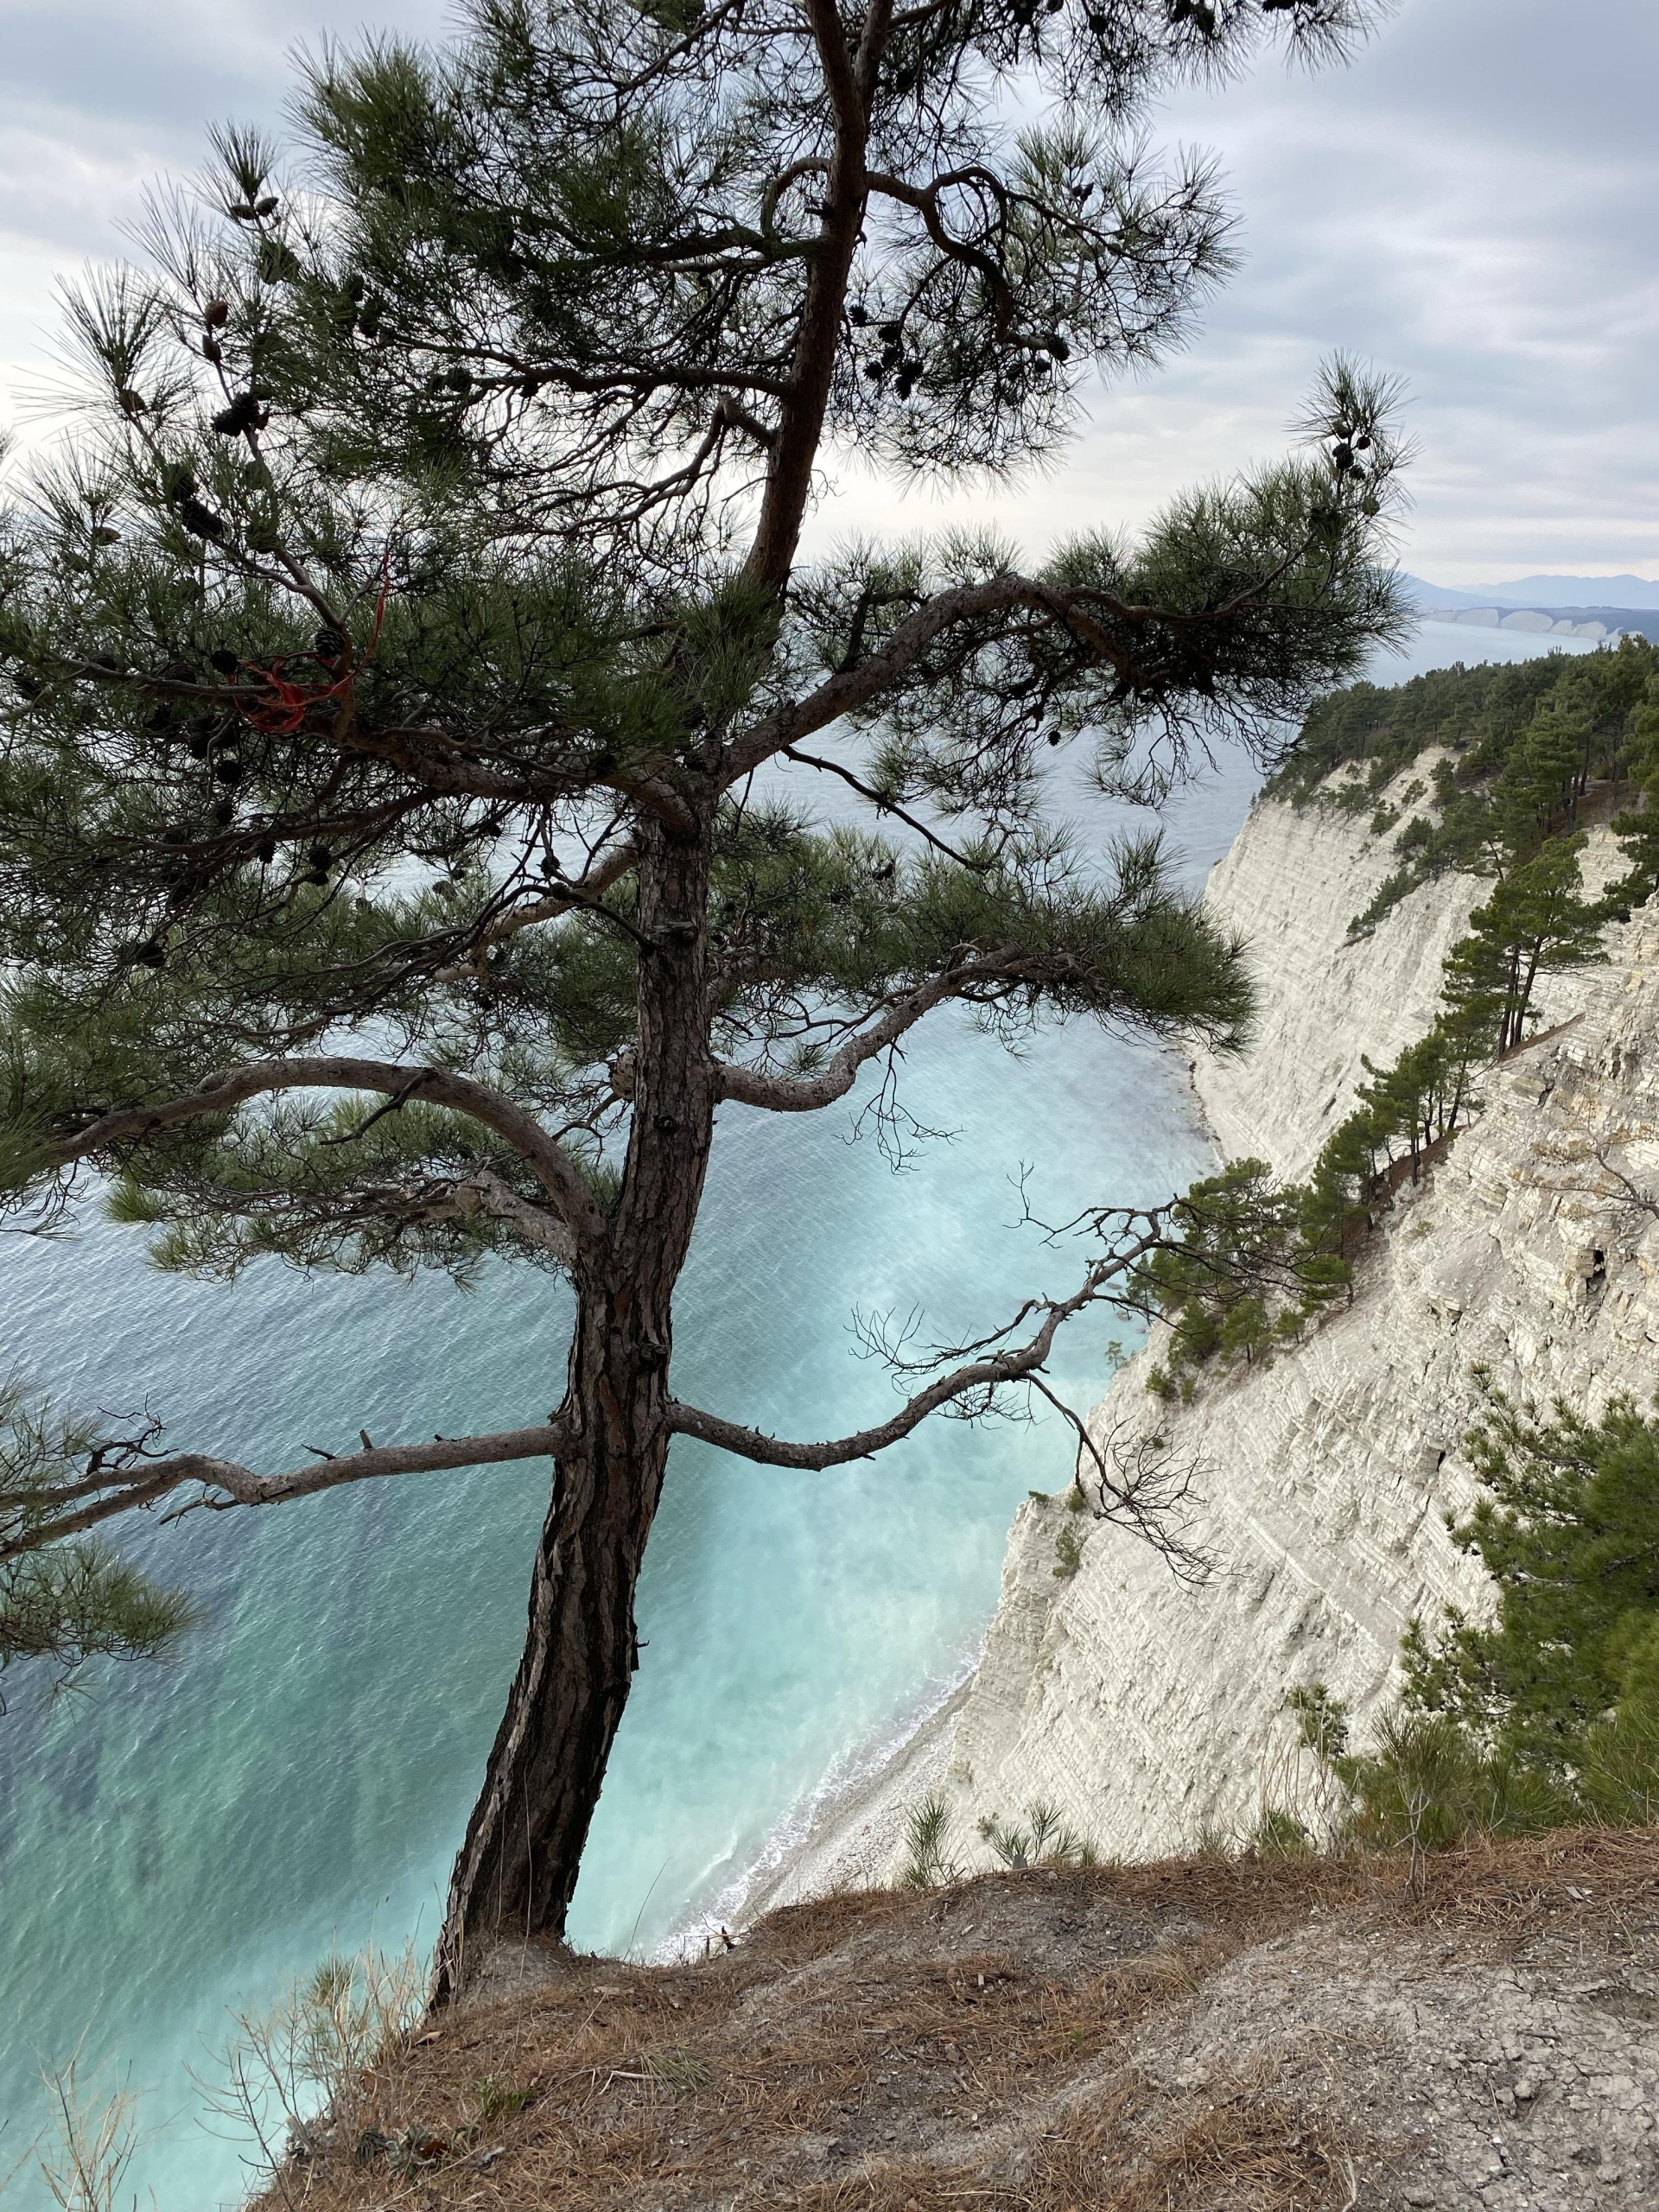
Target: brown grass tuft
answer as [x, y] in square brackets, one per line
[967, 2050]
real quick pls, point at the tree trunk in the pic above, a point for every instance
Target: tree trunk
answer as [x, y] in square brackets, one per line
[518, 1866]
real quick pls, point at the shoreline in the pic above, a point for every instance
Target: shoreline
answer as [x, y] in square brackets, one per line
[850, 1832]
[855, 1838]
[851, 1829]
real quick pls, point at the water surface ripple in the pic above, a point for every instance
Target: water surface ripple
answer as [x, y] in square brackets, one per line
[180, 1839]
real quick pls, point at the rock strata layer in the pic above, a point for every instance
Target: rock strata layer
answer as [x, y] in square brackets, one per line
[1149, 1714]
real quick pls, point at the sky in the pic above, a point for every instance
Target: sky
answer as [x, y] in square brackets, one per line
[1471, 205]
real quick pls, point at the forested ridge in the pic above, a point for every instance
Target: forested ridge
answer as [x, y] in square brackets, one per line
[1522, 756]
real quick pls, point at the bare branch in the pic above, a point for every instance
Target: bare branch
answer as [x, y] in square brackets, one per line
[152, 1480]
[884, 806]
[1018, 1364]
[1142, 1486]
[1620, 1188]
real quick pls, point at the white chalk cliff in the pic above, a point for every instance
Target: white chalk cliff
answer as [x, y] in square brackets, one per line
[1147, 1712]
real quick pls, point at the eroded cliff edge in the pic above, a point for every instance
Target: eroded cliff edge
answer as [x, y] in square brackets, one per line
[1148, 1712]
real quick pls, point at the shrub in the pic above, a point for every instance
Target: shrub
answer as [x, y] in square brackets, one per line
[925, 1833]
[1068, 1554]
[1045, 1841]
[294, 2078]
[1279, 1834]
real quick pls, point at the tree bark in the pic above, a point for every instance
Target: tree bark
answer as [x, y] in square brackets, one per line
[517, 1869]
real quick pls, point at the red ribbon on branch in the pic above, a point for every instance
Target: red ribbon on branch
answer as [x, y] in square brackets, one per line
[282, 715]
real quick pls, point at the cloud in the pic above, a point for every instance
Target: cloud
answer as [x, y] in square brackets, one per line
[1470, 204]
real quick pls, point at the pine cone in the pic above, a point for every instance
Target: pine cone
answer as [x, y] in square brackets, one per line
[199, 521]
[244, 413]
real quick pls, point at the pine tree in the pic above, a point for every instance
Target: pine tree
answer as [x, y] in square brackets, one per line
[1537, 921]
[1637, 828]
[416, 694]
[1566, 1524]
[1538, 790]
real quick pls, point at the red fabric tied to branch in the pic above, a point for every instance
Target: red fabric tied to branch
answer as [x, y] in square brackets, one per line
[290, 702]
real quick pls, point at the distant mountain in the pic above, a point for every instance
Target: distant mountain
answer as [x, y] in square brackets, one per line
[1575, 591]
[1427, 594]
[1541, 591]
[1586, 618]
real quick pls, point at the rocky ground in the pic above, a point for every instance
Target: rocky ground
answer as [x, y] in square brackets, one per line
[1273, 2036]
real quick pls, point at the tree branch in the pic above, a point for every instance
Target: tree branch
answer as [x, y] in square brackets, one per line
[882, 806]
[558, 1174]
[805, 1095]
[429, 758]
[849, 81]
[534, 1222]
[571, 895]
[837, 66]
[989, 1374]
[146, 1485]
[851, 689]
[925, 199]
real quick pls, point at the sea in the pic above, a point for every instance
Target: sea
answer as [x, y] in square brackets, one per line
[177, 1841]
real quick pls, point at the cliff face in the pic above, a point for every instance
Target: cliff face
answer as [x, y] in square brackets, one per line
[1290, 885]
[1148, 1712]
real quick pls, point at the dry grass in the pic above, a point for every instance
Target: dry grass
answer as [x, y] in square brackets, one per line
[910, 2052]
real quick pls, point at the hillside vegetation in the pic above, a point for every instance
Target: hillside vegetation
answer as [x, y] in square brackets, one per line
[1521, 753]
[1516, 759]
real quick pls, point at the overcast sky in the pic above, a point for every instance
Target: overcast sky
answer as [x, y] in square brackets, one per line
[1474, 204]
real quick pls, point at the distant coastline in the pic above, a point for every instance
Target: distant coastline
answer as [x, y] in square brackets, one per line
[1593, 625]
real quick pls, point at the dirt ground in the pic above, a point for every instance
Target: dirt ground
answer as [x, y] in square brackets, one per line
[1247, 2035]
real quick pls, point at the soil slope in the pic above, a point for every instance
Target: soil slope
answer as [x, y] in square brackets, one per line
[1290, 2037]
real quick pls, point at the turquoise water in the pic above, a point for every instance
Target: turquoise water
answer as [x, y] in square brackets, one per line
[182, 1839]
